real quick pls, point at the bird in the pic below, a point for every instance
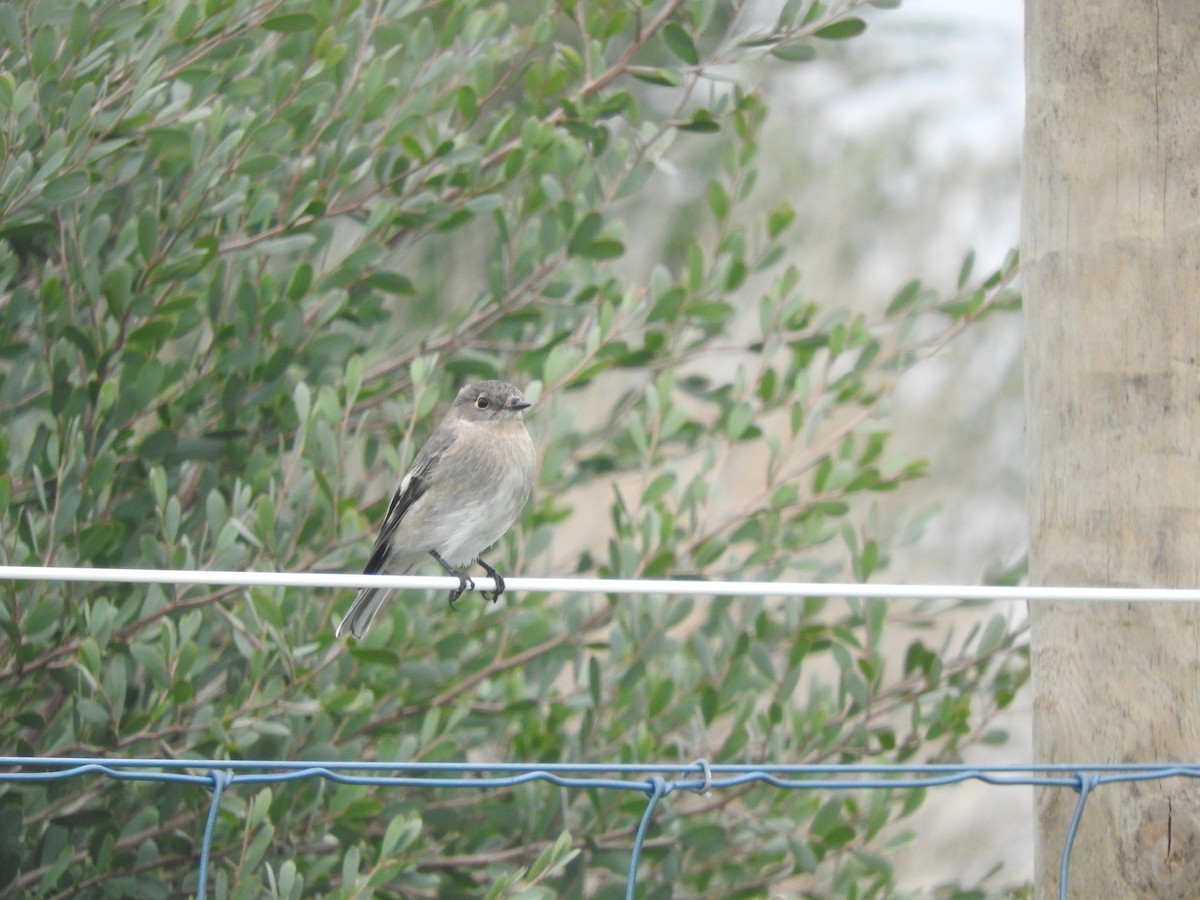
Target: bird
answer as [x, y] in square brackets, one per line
[464, 489]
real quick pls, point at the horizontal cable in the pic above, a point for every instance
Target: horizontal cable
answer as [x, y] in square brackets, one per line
[692, 587]
[713, 775]
[677, 768]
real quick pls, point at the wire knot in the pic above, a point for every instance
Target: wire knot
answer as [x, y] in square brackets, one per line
[705, 789]
[1085, 782]
[658, 787]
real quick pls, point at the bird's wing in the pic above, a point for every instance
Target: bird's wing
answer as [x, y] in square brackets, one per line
[414, 484]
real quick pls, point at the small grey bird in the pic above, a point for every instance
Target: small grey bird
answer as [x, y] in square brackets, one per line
[465, 488]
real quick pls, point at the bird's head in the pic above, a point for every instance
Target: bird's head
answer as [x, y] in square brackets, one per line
[491, 401]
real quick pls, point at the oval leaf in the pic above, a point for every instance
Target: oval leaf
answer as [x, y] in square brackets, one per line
[846, 28]
[680, 43]
[290, 22]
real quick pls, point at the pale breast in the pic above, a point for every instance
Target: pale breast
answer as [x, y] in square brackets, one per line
[485, 487]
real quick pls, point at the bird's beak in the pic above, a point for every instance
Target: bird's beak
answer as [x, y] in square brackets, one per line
[521, 404]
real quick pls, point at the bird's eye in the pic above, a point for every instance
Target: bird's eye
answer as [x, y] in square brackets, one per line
[482, 402]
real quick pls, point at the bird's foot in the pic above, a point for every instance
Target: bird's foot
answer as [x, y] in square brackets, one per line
[496, 577]
[465, 583]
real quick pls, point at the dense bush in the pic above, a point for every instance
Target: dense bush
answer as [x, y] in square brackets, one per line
[247, 253]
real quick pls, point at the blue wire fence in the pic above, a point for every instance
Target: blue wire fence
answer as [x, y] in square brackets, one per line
[656, 782]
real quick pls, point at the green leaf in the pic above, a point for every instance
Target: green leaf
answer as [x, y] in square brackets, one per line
[289, 22]
[259, 165]
[399, 836]
[391, 283]
[905, 297]
[151, 659]
[302, 400]
[993, 634]
[147, 234]
[964, 271]
[595, 682]
[585, 232]
[827, 818]
[701, 122]
[680, 43]
[822, 473]
[795, 51]
[814, 11]
[65, 187]
[780, 219]
[604, 249]
[584, 242]
[659, 488]
[718, 199]
[84, 818]
[663, 77]
[845, 28]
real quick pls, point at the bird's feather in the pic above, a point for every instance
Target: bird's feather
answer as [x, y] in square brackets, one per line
[412, 487]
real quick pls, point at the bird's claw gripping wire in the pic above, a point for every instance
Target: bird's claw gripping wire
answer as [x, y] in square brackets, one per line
[496, 577]
[465, 583]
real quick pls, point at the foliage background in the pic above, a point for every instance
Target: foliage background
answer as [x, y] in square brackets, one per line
[248, 251]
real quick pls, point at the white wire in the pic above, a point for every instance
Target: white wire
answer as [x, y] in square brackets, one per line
[696, 588]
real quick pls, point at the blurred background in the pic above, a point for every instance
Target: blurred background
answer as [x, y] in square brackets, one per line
[919, 123]
[918, 156]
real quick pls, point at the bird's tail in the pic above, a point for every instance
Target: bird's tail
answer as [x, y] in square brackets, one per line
[362, 613]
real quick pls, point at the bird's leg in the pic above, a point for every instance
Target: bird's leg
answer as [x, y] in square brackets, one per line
[496, 576]
[464, 582]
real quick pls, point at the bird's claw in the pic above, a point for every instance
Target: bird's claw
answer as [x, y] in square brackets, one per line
[496, 577]
[464, 584]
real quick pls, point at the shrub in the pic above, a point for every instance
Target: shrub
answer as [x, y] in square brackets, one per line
[247, 252]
